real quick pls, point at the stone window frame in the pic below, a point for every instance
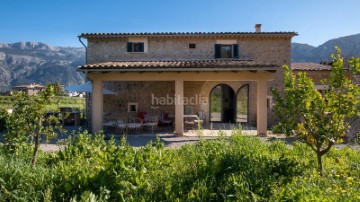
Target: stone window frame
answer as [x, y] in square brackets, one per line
[130, 105]
[133, 41]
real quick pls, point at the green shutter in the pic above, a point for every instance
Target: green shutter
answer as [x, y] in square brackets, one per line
[129, 47]
[235, 50]
[141, 47]
[217, 50]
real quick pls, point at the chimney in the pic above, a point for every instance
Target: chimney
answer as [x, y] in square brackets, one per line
[258, 28]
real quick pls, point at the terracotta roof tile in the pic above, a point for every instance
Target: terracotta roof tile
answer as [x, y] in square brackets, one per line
[179, 65]
[310, 67]
[149, 34]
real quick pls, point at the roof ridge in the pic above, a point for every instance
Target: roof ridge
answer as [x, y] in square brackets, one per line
[89, 34]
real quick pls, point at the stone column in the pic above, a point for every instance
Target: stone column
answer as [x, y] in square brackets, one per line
[261, 96]
[179, 107]
[97, 105]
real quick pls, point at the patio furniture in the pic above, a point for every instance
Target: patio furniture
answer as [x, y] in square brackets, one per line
[121, 127]
[134, 126]
[189, 121]
[110, 126]
[150, 126]
[201, 119]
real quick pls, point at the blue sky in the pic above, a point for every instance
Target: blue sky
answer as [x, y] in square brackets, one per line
[59, 22]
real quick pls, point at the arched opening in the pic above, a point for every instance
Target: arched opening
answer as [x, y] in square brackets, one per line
[222, 104]
[242, 105]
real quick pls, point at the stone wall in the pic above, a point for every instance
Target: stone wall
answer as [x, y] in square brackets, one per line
[147, 95]
[269, 50]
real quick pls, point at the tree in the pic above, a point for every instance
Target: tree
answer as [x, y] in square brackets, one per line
[56, 88]
[29, 120]
[319, 121]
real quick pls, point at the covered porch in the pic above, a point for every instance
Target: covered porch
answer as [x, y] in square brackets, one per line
[176, 76]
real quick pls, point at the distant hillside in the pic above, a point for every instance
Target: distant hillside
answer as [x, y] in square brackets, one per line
[35, 62]
[349, 45]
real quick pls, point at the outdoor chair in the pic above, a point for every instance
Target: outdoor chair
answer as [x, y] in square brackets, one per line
[134, 125]
[121, 127]
[189, 123]
[201, 120]
[152, 123]
[109, 126]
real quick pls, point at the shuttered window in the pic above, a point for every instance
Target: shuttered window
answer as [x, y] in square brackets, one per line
[226, 51]
[135, 47]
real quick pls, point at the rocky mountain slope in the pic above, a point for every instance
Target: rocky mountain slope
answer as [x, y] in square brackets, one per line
[35, 62]
[349, 45]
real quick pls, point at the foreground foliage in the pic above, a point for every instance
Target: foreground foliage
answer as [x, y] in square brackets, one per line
[239, 168]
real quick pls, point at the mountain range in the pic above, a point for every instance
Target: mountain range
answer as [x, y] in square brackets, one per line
[349, 45]
[35, 62]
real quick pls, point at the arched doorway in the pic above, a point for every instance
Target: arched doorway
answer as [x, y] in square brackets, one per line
[242, 104]
[222, 104]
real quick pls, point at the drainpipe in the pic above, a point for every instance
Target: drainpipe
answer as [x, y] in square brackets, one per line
[87, 111]
[84, 47]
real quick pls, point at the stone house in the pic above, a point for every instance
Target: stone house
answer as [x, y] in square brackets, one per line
[30, 89]
[219, 76]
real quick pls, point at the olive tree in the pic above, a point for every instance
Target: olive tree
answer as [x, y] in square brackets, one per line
[318, 120]
[29, 122]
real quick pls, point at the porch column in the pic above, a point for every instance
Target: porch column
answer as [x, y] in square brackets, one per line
[179, 107]
[97, 105]
[261, 96]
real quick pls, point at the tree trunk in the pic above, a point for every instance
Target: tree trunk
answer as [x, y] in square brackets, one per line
[36, 149]
[320, 166]
[37, 142]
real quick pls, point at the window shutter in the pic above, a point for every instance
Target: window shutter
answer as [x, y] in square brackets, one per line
[235, 50]
[217, 50]
[129, 47]
[141, 47]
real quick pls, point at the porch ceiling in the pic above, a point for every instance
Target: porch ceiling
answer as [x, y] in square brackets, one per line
[179, 66]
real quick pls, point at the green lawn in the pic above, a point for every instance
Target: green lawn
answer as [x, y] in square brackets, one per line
[61, 101]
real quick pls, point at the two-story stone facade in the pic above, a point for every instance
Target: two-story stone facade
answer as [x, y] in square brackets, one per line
[225, 76]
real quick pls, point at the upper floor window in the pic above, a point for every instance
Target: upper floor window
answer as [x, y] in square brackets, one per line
[192, 45]
[226, 51]
[135, 47]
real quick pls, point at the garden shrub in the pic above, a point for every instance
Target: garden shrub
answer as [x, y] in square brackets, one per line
[19, 181]
[238, 168]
